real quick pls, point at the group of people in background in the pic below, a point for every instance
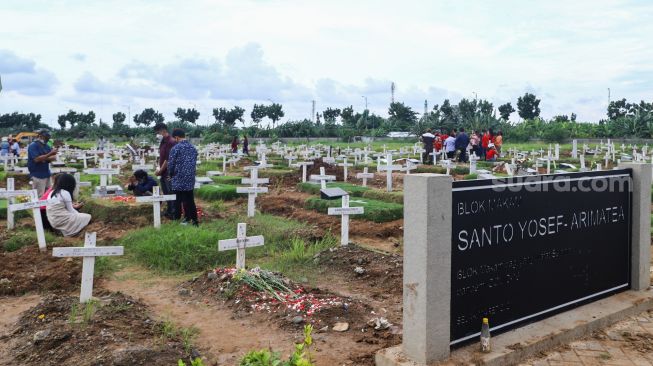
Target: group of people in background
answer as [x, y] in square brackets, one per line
[176, 169]
[486, 145]
[235, 143]
[9, 146]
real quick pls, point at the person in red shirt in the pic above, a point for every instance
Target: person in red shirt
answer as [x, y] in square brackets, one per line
[491, 154]
[167, 143]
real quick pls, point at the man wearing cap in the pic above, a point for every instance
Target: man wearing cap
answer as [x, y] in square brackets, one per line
[39, 156]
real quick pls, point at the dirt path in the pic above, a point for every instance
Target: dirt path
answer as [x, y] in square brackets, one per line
[10, 310]
[225, 337]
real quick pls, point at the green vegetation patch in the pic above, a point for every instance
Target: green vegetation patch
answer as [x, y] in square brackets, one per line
[214, 192]
[17, 214]
[377, 211]
[176, 248]
[227, 179]
[20, 238]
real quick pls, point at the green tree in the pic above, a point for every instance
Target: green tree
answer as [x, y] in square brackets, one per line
[347, 116]
[618, 109]
[505, 110]
[147, 117]
[402, 116]
[228, 117]
[190, 115]
[330, 114]
[528, 106]
[274, 113]
[258, 113]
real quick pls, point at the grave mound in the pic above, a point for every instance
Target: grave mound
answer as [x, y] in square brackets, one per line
[28, 270]
[116, 330]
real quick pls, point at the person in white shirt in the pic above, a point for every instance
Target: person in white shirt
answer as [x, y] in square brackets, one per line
[450, 146]
[63, 215]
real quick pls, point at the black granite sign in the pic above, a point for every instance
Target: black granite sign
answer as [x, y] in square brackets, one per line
[525, 248]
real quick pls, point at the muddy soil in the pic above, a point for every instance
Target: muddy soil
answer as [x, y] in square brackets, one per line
[117, 330]
[28, 270]
[362, 338]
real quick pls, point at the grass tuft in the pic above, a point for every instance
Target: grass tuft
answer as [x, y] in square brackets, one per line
[377, 211]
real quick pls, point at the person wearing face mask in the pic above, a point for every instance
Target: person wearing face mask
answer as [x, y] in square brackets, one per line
[39, 156]
[165, 146]
[182, 164]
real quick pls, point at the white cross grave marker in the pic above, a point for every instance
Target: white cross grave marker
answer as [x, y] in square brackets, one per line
[365, 176]
[253, 191]
[344, 212]
[35, 206]
[155, 199]
[10, 193]
[344, 166]
[388, 169]
[241, 242]
[322, 177]
[303, 164]
[89, 251]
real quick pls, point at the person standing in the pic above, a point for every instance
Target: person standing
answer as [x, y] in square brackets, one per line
[245, 145]
[39, 156]
[450, 146]
[15, 148]
[181, 167]
[462, 142]
[428, 139]
[167, 143]
[498, 142]
[234, 145]
[4, 147]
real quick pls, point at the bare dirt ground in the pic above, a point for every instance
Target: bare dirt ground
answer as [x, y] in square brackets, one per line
[117, 330]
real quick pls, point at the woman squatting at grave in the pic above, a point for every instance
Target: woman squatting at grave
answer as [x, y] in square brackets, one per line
[63, 215]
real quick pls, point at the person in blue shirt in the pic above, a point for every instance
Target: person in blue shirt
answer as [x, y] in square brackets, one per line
[181, 169]
[39, 156]
[141, 183]
[462, 141]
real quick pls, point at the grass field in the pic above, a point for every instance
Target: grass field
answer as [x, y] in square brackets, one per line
[214, 192]
[377, 211]
[176, 249]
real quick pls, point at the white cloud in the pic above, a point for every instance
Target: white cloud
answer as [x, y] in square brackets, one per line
[215, 53]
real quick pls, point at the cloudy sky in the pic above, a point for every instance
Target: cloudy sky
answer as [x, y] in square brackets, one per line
[115, 55]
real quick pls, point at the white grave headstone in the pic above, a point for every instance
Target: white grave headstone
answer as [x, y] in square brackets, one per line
[89, 251]
[344, 211]
[241, 243]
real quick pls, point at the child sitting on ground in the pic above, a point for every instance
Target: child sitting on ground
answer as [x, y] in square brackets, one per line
[141, 183]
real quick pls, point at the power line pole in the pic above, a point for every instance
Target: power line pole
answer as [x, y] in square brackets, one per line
[608, 96]
[392, 92]
[313, 112]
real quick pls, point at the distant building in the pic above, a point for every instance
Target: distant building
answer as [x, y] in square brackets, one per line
[400, 135]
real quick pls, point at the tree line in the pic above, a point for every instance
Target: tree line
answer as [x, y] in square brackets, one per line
[624, 119]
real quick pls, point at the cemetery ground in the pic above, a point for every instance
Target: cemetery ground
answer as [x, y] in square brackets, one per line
[175, 296]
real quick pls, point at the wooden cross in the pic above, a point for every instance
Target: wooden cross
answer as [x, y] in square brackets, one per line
[241, 243]
[344, 165]
[10, 194]
[322, 177]
[89, 251]
[253, 191]
[365, 176]
[290, 158]
[303, 164]
[155, 199]
[388, 169]
[344, 212]
[104, 173]
[35, 206]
